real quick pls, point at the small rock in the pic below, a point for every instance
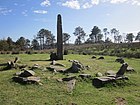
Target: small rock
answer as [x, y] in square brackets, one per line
[27, 73]
[85, 75]
[101, 58]
[99, 74]
[121, 60]
[93, 57]
[69, 78]
[110, 72]
[71, 85]
[130, 69]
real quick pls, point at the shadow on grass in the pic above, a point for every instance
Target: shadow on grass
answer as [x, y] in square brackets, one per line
[39, 60]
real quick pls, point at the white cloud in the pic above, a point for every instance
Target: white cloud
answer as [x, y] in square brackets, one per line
[135, 2]
[5, 11]
[74, 4]
[45, 3]
[87, 5]
[118, 1]
[95, 2]
[84, 4]
[40, 11]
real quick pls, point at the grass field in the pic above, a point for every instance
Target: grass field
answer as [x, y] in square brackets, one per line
[53, 92]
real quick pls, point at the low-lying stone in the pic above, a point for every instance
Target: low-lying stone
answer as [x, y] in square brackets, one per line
[110, 72]
[69, 78]
[101, 58]
[26, 80]
[27, 73]
[99, 74]
[130, 69]
[101, 81]
[93, 57]
[71, 85]
[56, 68]
[120, 60]
[85, 76]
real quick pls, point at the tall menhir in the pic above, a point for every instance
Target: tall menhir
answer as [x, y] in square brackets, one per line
[59, 38]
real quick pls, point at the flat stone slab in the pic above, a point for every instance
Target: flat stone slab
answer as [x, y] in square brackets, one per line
[25, 80]
[57, 68]
[110, 72]
[85, 76]
[27, 73]
[71, 85]
[130, 69]
[101, 81]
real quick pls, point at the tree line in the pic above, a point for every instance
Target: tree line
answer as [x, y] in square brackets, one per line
[44, 39]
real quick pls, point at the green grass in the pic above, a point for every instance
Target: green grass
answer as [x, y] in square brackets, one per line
[55, 93]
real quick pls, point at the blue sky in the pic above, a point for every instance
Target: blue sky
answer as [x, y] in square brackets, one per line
[27, 17]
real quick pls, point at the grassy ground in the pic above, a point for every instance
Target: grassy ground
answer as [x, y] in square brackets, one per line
[55, 93]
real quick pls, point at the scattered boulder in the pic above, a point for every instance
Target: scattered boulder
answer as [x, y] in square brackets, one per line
[56, 68]
[25, 80]
[120, 60]
[69, 78]
[27, 73]
[101, 58]
[93, 57]
[10, 65]
[76, 67]
[35, 66]
[71, 85]
[110, 72]
[57, 64]
[130, 69]
[87, 67]
[85, 76]
[99, 74]
[101, 81]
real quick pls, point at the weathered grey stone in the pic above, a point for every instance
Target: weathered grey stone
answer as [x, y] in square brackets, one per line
[59, 38]
[71, 85]
[56, 68]
[33, 79]
[110, 72]
[35, 66]
[27, 73]
[10, 65]
[122, 70]
[101, 57]
[101, 81]
[130, 69]
[69, 78]
[76, 66]
[26, 80]
[120, 60]
[99, 74]
[57, 64]
[85, 76]
[93, 57]
[20, 66]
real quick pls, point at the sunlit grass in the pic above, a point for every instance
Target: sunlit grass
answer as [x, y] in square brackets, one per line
[53, 92]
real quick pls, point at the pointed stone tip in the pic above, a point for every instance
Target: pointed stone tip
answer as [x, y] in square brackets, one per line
[59, 15]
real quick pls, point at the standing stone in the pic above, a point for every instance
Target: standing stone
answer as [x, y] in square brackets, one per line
[122, 70]
[59, 38]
